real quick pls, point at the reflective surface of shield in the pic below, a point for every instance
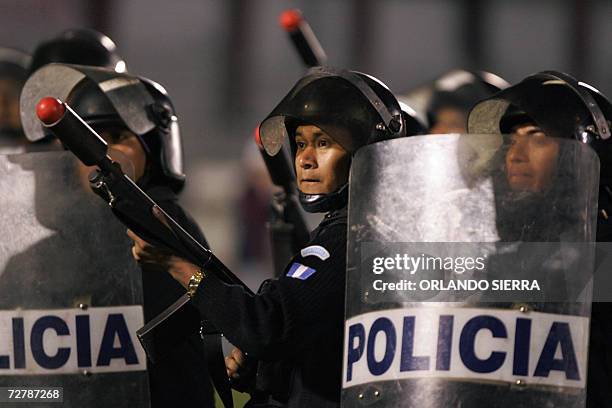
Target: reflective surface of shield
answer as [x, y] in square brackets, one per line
[469, 273]
[71, 293]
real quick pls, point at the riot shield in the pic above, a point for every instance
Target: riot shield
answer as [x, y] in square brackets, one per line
[469, 279]
[70, 292]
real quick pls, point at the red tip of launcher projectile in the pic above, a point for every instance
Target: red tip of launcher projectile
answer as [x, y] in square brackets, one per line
[257, 138]
[290, 19]
[49, 110]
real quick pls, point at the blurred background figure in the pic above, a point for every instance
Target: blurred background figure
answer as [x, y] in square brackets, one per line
[444, 104]
[13, 73]
[254, 213]
[82, 46]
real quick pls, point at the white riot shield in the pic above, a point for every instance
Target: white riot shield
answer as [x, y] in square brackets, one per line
[70, 292]
[469, 274]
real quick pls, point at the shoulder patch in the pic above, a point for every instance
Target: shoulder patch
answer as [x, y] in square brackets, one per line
[299, 271]
[315, 250]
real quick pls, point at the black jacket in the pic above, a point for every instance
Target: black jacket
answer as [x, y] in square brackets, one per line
[298, 319]
[599, 380]
[181, 378]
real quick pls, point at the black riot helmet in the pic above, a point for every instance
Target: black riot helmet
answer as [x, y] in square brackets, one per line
[333, 99]
[559, 104]
[107, 99]
[563, 108]
[413, 124]
[81, 46]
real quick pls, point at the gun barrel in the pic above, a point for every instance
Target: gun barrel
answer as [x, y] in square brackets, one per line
[303, 38]
[74, 133]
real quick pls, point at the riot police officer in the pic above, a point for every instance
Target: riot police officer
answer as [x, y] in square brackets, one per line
[136, 117]
[542, 106]
[446, 102]
[296, 320]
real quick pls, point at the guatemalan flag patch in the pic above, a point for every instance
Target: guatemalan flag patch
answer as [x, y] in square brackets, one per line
[299, 271]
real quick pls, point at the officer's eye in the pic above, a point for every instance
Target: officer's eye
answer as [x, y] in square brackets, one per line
[114, 136]
[323, 143]
[540, 138]
[300, 144]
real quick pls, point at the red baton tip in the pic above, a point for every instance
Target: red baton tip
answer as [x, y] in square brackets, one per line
[290, 19]
[49, 110]
[257, 137]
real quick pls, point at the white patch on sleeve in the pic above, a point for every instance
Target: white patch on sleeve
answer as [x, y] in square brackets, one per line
[315, 250]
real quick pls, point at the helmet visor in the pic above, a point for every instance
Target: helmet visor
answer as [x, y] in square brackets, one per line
[126, 93]
[328, 101]
[551, 103]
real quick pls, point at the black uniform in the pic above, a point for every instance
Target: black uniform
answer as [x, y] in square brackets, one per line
[180, 378]
[599, 380]
[297, 319]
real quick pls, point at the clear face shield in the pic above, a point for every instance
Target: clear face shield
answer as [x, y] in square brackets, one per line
[126, 93]
[561, 107]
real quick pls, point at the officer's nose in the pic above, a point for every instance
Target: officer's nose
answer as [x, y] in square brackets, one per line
[307, 158]
[517, 153]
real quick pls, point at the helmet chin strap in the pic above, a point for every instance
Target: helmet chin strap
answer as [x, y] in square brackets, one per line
[319, 203]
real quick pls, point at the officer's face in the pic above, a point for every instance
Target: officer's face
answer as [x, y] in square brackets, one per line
[449, 120]
[9, 104]
[127, 143]
[322, 165]
[531, 161]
